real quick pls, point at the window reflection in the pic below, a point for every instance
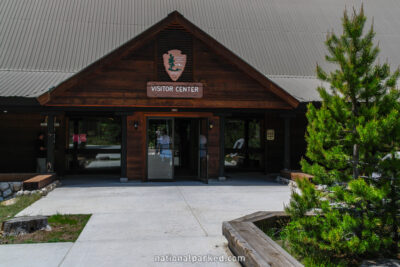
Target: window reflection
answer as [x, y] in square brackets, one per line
[94, 144]
[243, 144]
[159, 149]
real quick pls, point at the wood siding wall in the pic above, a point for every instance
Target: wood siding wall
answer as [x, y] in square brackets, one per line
[136, 147]
[213, 148]
[298, 143]
[17, 141]
[122, 82]
[274, 150]
[136, 144]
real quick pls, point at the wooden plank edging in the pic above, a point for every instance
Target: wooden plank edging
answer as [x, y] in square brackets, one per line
[246, 239]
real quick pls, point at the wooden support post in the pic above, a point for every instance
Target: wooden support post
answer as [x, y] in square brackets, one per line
[221, 175]
[286, 161]
[124, 133]
[50, 143]
[75, 163]
[265, 143]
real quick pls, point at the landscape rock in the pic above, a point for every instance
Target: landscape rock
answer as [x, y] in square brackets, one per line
[381, 263]
[19, 193]
[4, 186]
[24, 225]
[16, 186]
[9, 202]
[26, 192]
[7, 193]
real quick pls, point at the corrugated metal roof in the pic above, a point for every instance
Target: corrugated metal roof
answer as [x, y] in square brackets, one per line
[277, 37]
[301, 87]
[29, 83]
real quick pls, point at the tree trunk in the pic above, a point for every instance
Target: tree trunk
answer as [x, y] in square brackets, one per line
[355, 146]
[355, 161]
[394, 210]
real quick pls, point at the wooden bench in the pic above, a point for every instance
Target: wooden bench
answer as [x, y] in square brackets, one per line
[38, 181]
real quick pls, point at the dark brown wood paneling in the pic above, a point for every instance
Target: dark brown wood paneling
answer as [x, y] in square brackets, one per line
[298, 142]
[138, 49]
[122, 81]
[213, 148]
[60, 145]
[136, 143]
[274, 149]
[17, 141]
[136, 160]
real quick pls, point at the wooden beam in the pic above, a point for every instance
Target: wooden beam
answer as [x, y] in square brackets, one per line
[286, 160]
[222, 147]
[50, 143]
[124, 139]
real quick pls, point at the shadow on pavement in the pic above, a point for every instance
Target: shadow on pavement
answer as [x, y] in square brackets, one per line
[242, 179]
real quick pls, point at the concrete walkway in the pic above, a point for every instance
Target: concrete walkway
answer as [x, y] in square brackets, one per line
[134, 223]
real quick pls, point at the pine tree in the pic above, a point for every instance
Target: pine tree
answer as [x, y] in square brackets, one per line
[354, 194]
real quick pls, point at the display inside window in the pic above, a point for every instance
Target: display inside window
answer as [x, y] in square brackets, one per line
[94, 143]
[243, 144]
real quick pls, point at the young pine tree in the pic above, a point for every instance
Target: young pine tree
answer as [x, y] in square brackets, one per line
[354, 194]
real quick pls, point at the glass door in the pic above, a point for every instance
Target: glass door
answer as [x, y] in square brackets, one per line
[160, 149]
[203, 150]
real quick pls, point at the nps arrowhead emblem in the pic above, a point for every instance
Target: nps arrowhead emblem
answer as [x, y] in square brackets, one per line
[174, 63]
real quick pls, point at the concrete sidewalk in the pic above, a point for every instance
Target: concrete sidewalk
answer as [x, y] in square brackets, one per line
[134, 223]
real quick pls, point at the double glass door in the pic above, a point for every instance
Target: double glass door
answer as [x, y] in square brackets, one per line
[177, 148]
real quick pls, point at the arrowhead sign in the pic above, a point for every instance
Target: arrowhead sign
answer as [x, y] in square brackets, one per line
[174, 63]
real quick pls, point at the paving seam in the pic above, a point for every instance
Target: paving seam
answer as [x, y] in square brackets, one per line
[192, 211]
[62, 260]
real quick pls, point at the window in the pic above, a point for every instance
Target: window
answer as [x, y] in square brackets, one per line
[243, 144]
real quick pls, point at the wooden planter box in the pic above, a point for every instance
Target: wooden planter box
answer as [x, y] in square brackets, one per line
[246, 239]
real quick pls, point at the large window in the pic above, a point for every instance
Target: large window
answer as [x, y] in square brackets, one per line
[94, 144]
[243, 144]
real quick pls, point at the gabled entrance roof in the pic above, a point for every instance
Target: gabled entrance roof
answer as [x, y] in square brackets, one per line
[173, 19]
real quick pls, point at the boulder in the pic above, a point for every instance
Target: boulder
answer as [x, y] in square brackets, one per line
[16, 186]
[43, 191]
[381, 263]
[24, 225]
[26, 192]
[19, 193]
[7, 193]
[9, 202]
[4, 186]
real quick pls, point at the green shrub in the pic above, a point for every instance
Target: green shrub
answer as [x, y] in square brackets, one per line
[355, 214]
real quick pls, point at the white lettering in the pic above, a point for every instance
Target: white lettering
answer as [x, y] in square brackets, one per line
[162, 88]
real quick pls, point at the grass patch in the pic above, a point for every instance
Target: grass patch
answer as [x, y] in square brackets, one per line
[8, 212]
[64, 228]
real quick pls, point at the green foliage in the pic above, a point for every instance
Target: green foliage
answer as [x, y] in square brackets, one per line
[358, 123]
[62, 219]
[64, 228]
[8, 212]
